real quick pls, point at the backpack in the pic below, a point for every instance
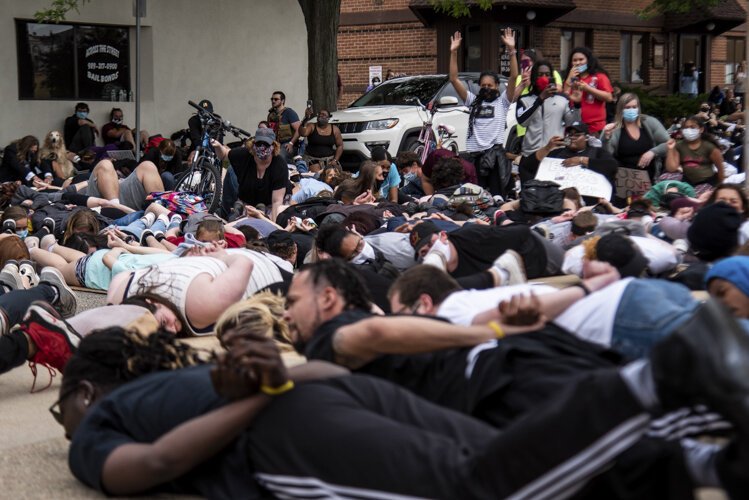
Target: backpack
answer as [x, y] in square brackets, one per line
[153, 142]
[310, 208]
[541, 197]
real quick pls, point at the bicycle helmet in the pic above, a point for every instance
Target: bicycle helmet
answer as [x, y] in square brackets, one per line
[206, 105]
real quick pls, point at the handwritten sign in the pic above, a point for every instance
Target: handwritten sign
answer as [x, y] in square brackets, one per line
[587, 182]
[632, 182]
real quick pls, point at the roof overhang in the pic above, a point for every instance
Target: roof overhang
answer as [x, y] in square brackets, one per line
[537, 12]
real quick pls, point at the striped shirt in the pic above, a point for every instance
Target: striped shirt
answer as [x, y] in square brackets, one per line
[489, 125]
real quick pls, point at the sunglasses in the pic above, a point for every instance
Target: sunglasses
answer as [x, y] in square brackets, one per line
[55, 408]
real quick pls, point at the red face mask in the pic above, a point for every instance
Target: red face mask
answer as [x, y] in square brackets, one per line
[542, 82]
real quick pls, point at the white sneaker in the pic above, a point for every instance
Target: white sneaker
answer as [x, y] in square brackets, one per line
[149, 219]
[512, 263]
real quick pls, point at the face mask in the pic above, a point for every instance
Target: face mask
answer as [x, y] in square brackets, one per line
[262, 151]
[630, 114]
[117, 122]
[582, 68]
[487, 94]
[167, 157]
[410, 177]
[22, 234]
[367, 253]
[542, 82]
[690, 134]
[81, 114]
[323, 121]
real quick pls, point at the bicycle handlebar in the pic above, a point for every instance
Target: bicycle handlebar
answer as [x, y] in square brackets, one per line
[224, 124]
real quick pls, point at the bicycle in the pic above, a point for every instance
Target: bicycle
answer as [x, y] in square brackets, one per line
[203, 175]
[428, 140]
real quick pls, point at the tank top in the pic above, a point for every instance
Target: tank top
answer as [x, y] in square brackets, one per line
[320, 146]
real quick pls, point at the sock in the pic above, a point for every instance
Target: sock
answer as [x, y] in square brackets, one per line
[115, 200]
[638, 376]
[700, 462]
[163, 218]
[49, 248]
[503, 274]
[6, 289]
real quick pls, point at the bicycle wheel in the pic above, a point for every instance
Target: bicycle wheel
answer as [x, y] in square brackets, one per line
[205, 181]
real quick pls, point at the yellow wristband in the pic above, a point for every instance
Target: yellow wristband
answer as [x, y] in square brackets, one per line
[275, 391]
[498, 332]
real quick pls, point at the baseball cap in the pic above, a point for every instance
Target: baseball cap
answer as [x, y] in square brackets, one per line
[577, 127]
[421, 234]
[265, 135]
[621, 252]
[279, 237]
[191, 226]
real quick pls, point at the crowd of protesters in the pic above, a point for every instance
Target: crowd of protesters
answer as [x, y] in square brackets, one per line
[470, 331]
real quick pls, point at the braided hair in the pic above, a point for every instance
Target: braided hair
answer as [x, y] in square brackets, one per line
[113, 356]
[346, 281]
[478, 100]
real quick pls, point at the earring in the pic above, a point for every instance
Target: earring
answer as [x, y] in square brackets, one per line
[86, 402]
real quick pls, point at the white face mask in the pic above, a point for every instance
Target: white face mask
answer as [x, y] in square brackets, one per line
[367, 253]
[690, 134]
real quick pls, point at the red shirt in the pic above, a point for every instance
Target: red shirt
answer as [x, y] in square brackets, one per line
[592, 110]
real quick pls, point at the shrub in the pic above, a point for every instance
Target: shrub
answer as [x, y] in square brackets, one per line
[666, 107]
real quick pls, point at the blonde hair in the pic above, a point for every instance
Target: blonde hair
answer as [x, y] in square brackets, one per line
[590, 246]
[625, 99]
[261, 314]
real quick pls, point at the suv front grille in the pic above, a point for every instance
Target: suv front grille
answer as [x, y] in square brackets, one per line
[350, 127]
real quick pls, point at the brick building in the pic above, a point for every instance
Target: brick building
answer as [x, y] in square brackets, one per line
[409, 37]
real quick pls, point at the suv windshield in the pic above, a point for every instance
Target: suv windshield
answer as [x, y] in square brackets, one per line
[395, 92]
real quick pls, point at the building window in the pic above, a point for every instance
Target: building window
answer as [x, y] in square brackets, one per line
[632, 58]
[570, 39]
[734, 55]
[72, 61]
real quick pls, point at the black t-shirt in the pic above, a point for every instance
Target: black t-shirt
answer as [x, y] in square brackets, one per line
[146, 409]
[630, 150]
[495, 381]
[478, 246]
[251, 189]
[436, 376]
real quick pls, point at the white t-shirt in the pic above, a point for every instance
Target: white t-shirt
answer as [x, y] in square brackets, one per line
[489, 126]
[592, 318]
[660, 255]
[461, 307]
[265, 272]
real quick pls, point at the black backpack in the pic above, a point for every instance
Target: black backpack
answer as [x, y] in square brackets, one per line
[310, 208]
[541, 197]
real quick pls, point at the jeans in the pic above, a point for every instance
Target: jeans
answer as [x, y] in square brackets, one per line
[137, 227]
[169, 181]
[648, 311]
[127, 219]
[230, 191]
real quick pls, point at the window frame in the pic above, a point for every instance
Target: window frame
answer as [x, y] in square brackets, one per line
[733, 64]
[21, 24]
[587, 39]
[626, 59]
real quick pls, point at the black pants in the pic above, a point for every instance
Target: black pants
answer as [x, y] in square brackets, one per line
[82, 139]
[491, 181]
[14, 349]
[380, 439]
[15, 302]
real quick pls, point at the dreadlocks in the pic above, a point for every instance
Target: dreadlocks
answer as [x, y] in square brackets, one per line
[114, 356]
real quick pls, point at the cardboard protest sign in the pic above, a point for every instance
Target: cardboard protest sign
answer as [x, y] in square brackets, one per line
[632, 182]
[587, 182]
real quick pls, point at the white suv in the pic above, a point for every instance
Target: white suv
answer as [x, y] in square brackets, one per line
[388, 116]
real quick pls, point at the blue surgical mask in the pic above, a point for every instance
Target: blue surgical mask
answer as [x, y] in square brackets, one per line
[167, 157]
[582, 68]
[81, 114]
[22, 234]
[630, 114]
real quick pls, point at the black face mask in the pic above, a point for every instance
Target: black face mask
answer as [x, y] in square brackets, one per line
[487, 94]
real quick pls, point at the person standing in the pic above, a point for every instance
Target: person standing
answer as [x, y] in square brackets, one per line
[324, 141]
[588, 86]
[689, 79]
[739, 81]
[486, 122]
[285, 124]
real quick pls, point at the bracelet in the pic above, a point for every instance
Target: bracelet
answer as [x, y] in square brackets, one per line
[498, 331]
[275, 391]
[584, 288]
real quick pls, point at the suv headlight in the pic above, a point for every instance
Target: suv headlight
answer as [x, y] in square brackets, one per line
[381, 124]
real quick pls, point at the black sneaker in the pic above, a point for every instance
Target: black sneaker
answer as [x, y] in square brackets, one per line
[67, 302]
[49, 224]
[705, 361]
[9, 226]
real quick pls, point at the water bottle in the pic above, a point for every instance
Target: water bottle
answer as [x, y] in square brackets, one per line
[130, 96]
[113, 95]
[122, 95]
